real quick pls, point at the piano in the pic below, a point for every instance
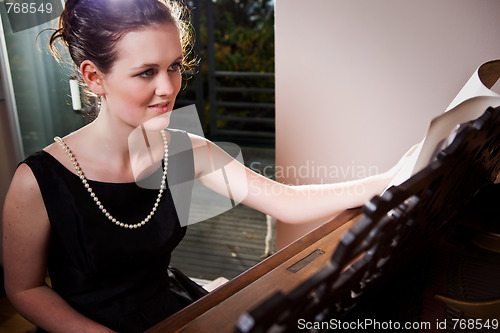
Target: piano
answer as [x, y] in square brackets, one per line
[389, 261]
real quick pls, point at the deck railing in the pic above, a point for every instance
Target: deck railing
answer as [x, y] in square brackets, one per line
[242, 105]
[233, 106]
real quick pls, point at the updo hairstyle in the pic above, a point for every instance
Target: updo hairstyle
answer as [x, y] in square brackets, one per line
[91, 29]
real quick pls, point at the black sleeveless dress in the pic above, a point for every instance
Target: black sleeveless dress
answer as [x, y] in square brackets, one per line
[118, 277]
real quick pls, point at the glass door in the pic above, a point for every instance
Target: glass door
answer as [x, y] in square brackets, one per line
[40, 85]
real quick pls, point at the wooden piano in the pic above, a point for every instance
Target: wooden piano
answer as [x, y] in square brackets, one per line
[388, 261]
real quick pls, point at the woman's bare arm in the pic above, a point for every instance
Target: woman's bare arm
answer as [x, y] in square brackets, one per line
[26, 237]
[288, 203]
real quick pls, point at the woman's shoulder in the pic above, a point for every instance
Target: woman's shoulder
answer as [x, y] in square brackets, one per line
[47, 157]
[182, 134]
[55, 155]
[24, 214]
[197, 140]
[24, 187]
[186, 141]
[24, 177]
[43, 167]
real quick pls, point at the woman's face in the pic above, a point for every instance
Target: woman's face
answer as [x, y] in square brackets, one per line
[145, 78]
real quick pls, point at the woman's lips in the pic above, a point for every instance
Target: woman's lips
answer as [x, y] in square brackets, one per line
[160, 108]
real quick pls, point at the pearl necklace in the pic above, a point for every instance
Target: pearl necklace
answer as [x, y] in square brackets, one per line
[98, 202]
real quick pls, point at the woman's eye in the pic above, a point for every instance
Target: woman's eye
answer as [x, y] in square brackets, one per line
[175, 67]
[146, 74]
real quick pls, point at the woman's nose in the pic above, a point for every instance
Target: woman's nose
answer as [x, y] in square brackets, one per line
[165, 85]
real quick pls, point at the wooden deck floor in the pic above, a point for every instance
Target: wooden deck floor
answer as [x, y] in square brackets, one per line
[225, 245]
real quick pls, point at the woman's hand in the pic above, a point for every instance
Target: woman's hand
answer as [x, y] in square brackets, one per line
[404, 168]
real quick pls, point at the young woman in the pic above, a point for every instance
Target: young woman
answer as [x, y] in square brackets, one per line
[76, 209]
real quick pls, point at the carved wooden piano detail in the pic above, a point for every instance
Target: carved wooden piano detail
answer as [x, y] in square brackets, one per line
[386, 261]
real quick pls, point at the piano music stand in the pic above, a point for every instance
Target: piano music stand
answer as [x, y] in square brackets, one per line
[395, 229]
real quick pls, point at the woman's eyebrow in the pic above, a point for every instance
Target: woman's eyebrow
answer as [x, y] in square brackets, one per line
[180, 58]
[144, 66]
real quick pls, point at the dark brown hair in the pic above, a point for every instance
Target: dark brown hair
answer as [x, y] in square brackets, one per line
[92, 28]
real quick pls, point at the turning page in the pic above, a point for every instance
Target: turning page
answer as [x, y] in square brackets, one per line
[470, 103]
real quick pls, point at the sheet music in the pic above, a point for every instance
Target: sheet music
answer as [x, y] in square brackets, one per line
[470, 103]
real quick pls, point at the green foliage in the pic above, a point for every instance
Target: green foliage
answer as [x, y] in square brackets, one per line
[243, 42]
[244, 35]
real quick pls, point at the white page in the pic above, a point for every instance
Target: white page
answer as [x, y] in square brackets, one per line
[470, 103]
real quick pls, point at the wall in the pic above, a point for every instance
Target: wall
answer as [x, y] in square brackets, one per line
[358, 81]
[8, 164]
